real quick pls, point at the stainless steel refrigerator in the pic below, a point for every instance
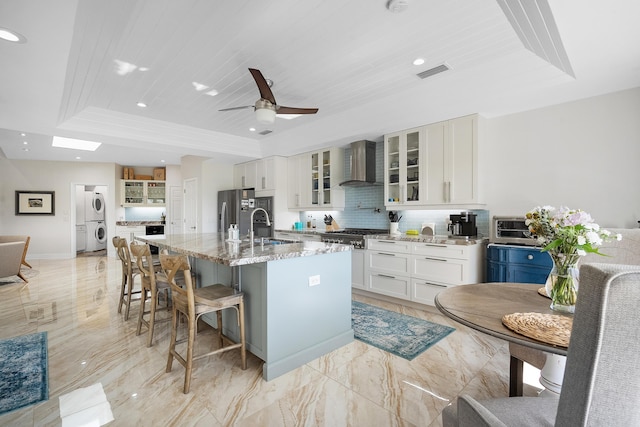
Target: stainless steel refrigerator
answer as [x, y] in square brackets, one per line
[234, 207]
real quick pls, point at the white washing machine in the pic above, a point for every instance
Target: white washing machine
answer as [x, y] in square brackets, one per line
[96, 236]
[94, 206]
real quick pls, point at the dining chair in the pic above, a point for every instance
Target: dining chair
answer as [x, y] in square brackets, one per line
[601, 384]
[153, 285]
[129, 271]
[191, 303]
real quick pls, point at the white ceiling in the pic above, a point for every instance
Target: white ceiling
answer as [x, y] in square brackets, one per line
[351, 59]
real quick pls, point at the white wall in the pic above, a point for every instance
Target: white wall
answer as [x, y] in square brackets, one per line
[51, 236]
[583, 154]
[216, 177]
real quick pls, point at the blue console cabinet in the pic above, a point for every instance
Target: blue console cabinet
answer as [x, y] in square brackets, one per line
[517, 264]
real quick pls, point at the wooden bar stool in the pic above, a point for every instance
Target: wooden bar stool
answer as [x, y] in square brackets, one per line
[129, 271]
[154, 284]
[192, 303]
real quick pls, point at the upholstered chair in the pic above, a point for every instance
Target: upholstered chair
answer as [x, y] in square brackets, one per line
[601, 384]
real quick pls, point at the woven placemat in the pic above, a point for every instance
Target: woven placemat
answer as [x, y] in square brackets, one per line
[548, 328]
[543, 291]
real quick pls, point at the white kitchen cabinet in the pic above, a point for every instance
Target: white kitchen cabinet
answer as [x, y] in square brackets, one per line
[129, 232]
[297, 195]
[417, 271]
[387, 272]
[357, 269]
[403, 163]
[452, 162]
[140, 193]
[324, 175]
[245, 175]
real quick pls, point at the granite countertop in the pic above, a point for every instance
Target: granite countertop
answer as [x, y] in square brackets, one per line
[442, 240]
[156, 222]
[303, 231]
[213, 247]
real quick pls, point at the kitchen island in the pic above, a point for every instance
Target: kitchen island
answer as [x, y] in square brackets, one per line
[297, 295]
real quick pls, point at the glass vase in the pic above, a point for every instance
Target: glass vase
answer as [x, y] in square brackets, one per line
[562, 283]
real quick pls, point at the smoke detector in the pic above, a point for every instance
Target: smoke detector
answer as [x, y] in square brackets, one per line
[397, 6]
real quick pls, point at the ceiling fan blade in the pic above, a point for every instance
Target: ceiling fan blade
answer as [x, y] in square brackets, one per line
[237, 108]
[263, 86]
[280, 109]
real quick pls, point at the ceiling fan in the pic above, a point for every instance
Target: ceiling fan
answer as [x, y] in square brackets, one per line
[266, 107]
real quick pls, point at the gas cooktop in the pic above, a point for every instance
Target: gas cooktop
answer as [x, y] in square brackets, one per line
[359, 231]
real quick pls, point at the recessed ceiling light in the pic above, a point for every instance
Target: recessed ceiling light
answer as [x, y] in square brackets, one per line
[143, 69]
[141, 105]
[77, 157]
[75, 144]
[11, 36]
[24, 142]
[418, 61]
[212, 92]
[252, 129]
[199, 86]
[23, 134]
[162, 161]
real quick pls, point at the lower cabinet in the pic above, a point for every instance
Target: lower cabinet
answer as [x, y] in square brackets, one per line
[357, 268]
[517, 264]
[130, 231]
[417, 271]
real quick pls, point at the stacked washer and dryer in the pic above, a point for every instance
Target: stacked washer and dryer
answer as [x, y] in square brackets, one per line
[96, 228]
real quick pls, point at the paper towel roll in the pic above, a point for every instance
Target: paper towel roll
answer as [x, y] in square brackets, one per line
[428, 228]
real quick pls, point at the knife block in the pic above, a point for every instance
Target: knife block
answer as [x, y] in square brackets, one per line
[333, 226]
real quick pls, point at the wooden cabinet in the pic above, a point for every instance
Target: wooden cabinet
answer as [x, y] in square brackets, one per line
[314, 180]
[136, 193]
[517, 264]
[446, 173]
[403, 165]
[417, 271]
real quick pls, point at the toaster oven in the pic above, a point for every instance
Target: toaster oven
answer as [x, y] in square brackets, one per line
[511, 230]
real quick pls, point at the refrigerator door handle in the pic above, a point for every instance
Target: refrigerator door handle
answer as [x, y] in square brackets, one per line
[223, 216]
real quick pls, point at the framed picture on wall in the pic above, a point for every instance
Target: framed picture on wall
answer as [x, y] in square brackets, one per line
[35, 203]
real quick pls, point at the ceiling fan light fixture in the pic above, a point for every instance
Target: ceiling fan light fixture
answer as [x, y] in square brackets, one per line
[265, 111]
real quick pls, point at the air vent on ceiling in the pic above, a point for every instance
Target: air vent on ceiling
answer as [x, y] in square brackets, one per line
[432, 71]
[265, 132]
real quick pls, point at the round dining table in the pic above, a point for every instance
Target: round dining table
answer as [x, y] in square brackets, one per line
[482, 307]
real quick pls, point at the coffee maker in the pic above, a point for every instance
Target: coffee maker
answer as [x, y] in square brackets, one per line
[463, 225]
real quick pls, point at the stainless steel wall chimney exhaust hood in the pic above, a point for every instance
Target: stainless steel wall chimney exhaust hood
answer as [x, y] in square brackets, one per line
[363, 164]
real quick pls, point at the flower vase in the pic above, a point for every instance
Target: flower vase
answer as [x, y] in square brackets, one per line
[562, 283]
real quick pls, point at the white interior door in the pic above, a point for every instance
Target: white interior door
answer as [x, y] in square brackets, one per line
[190, 205]
[176, 217]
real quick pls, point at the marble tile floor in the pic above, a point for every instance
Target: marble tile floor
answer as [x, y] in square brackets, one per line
[75, 301]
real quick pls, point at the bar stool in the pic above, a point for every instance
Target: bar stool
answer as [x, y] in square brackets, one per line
[192, 303]
[154, 284]
[129, 271]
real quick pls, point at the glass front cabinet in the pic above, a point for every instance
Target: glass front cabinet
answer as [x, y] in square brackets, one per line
[326, 174]
[403, 159]
[142, 193]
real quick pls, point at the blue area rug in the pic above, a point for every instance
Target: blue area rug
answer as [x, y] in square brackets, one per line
[399, 334]
[24, 378]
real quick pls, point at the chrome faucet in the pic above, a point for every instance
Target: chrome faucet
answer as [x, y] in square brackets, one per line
[251, 231]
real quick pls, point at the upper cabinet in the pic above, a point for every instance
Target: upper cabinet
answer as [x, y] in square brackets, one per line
[403, 165]
[326, 173]
[261, 175]
[314, 180]
[136, 193]
[448, 172]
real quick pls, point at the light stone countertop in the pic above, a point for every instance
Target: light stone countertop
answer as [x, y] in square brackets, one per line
[213, 247]
[150, 222]
[441, 240]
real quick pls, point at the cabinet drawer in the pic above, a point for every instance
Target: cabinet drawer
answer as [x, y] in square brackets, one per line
[387, 284]
[529, 257]
[424, 292]
[389, 245]
[448, 271]
[388, 262]
[444, 251]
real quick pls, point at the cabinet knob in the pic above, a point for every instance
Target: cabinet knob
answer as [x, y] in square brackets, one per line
[529, 256]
